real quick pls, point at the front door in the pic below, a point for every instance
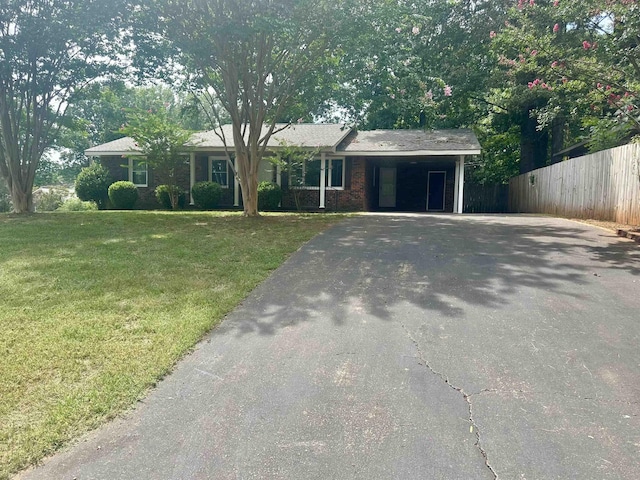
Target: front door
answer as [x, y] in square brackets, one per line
[387, 187]
[435, 191]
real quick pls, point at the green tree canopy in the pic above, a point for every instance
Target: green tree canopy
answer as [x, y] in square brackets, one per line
[49, 51]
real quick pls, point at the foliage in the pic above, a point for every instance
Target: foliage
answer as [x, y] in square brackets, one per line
[123, 195]
[74, 204]
[206, 195]
[291, 159]
[92, 185]
[253, 58]
[571, 67]
[162, 144]
[50, 200]
[5, 197]
[170, 197]
[61, 276]
[269, 196]
[49, 52]
[97, 115]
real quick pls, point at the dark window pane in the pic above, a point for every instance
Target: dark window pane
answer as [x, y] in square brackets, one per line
[140, 178]
[312, 173]
[139, 172]
[219, 172]
[336, 173]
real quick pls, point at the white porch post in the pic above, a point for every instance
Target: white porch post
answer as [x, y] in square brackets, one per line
[323, 185]
[192, 175]
[236, 186]
[456, 187]
[461, 186]
[279, 179]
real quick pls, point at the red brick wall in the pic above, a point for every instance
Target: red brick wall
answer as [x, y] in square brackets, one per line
[118, 169]
[351, 198]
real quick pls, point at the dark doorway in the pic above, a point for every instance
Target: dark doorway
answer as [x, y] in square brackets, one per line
[435, 191]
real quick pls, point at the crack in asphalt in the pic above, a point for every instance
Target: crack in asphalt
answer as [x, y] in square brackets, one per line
[467, 398]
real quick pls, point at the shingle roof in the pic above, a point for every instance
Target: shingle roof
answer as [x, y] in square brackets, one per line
[120, 146]
[332, 136]
[313, 135]
[396, 141]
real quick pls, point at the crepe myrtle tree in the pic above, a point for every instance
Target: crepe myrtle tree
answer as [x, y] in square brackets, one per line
[161, 143]
[250, 59]
[577, 63]
[49, 51]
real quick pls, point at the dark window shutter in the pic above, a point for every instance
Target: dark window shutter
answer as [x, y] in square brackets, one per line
[347, 174]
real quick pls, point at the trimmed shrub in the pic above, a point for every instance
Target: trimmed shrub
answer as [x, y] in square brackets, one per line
[206, 195]
[269, 196]
[164, 199]
[123, 195]
[77, 205]
[92, 184]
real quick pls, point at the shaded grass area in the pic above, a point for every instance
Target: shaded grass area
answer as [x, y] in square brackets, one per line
[97, 306]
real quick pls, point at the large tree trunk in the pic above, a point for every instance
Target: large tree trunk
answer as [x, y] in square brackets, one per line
[248, 178]
[22, 200]
[249, 186]
[533, 144]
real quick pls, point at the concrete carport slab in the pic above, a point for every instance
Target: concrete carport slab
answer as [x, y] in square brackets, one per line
[415, 346]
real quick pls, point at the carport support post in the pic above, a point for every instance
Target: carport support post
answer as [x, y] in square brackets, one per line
[323, 179]
[461, 184]
[192, 175]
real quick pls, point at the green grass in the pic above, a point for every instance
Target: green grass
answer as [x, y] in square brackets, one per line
[97, 306]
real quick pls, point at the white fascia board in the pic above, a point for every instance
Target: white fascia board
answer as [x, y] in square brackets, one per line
[128, 153]
[414, 153]
[221, 150]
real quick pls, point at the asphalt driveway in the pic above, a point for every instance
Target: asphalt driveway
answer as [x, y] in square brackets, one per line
[431, 347]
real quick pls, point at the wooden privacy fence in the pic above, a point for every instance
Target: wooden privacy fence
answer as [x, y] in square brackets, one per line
[491, 198]
[602, 186]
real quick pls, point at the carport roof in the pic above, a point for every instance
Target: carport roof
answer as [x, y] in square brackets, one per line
[410, 143]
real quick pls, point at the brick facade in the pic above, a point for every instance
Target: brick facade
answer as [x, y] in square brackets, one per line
[360, 192]
[349, 199]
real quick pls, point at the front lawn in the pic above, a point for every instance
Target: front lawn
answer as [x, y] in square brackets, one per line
[97, 306]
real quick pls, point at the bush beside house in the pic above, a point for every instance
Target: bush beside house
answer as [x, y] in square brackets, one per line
[92, 185]
[123, 195]
[163, 195]
[269, 196]
[206, 195]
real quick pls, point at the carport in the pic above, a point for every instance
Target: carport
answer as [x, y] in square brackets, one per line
[413, 170]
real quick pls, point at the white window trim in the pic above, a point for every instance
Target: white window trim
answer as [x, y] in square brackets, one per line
[146, 168]
[218, 158]
[328, 166]
[344, 172]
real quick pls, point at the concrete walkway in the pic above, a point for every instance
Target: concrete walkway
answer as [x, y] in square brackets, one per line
[430, 347]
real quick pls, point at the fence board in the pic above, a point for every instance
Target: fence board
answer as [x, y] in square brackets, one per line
[491, 198]
[602, 186]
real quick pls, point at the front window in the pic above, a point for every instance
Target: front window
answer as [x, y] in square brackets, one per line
[219, 171]
[312, 173]
[334, 174]
[138, 173]
[307, 174]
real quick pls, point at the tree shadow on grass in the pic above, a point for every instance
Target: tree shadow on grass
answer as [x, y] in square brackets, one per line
[441, 264]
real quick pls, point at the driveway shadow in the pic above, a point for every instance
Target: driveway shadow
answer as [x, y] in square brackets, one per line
[441, 264]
